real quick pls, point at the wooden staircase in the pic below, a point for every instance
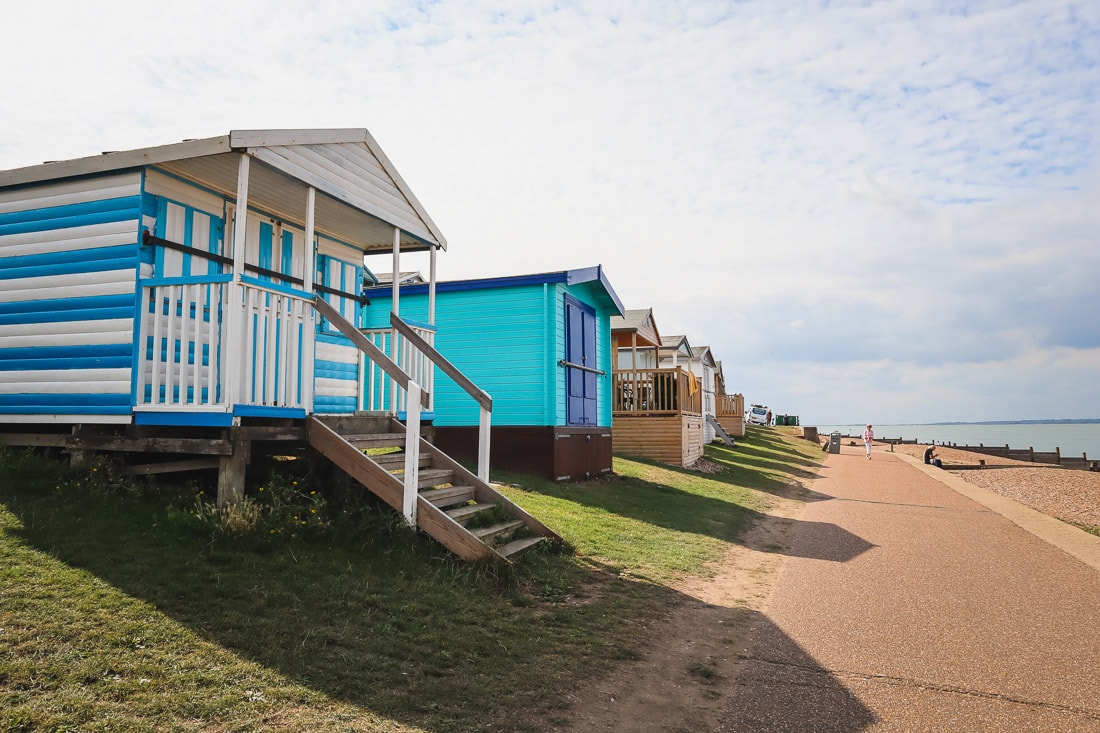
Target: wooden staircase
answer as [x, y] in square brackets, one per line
[468, 516]
[719, 430]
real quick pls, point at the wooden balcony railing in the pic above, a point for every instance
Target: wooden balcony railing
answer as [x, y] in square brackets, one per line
[732, 405]
[656, 392]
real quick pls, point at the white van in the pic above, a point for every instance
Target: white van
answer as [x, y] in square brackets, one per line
[757, 415]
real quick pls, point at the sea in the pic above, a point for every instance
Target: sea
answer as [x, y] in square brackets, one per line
[1072, 438]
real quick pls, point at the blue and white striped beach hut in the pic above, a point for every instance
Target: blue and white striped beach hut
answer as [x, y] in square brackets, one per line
[202, 297]
[128, 295]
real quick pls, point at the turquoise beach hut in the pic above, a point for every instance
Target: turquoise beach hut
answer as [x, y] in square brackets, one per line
[540, 345]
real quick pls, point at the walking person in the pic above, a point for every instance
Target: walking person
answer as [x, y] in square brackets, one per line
[868, 438]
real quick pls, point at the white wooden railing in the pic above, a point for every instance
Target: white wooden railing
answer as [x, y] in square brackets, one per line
[180, 343]
[418, 357]
[422, 351]
[184, 359]
[379, 393]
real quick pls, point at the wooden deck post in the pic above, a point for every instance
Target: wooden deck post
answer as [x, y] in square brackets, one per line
[77, 455]
[483, 433]
[309, 335]
[431, 286]
[412, 455]
[233, 358]
[231, 470]
[395, 308]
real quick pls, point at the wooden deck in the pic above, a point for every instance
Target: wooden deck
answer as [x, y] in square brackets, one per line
[658, 415]
[730, 412]
[675, 439]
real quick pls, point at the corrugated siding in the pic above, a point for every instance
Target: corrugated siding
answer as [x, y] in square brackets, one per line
[68, 259]
[351, 173]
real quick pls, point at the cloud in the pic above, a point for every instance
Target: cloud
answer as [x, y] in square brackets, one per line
[885, 188]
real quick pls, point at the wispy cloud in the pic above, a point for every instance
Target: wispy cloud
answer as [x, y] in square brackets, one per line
[912, 183]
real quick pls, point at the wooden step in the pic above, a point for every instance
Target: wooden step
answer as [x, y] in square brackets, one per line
[376, 440]
[449, 496]
[396, 460]
[464, 514]
[490, 533]
[517, 546]
[430, 477]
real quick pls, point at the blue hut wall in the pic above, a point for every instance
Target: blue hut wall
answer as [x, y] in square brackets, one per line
[69, 260]
[70, 264]
[275, 244]
[508, 340]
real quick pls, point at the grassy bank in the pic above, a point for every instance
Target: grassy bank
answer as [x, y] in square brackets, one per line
[134, 607]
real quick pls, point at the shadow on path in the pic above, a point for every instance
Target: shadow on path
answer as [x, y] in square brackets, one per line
[782, 688]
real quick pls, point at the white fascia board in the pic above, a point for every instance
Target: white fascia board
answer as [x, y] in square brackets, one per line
[404, 189]
[327, 186]
[279, 138]
[115, 161]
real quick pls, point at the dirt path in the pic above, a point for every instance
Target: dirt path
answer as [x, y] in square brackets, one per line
[684, 682]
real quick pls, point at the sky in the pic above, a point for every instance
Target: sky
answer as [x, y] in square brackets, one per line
[873, 211]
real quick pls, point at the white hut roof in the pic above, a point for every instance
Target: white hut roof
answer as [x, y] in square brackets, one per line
[361, 196]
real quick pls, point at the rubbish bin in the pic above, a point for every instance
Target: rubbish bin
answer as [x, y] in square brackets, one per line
[834, 442]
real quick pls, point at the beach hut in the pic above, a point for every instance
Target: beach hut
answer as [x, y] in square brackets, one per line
[703, 365]
[540, 344]
[201, 298]
[658, 401]
[730, 408]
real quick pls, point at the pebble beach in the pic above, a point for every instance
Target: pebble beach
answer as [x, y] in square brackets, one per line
[1069, 495]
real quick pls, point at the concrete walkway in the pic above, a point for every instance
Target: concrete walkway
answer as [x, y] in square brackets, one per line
[905, 605]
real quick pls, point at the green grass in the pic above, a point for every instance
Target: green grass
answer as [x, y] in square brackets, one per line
[137, 607]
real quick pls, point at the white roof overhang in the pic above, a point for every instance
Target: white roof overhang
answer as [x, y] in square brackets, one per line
[361, 196]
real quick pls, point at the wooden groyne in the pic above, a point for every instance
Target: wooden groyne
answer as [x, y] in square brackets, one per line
[1030, 455]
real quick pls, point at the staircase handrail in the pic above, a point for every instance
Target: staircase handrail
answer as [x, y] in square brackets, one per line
[480, 396]
[417, 398]
[379, 357]
[483, 399]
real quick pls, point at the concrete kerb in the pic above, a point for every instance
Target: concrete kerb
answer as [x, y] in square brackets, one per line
[1082, 545]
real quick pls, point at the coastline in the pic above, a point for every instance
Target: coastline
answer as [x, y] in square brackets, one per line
[1065, 494]
[1072, 438]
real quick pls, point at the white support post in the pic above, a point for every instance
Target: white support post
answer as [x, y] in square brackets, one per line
[233, 356]
[483, 445]
[309, 332]
[396, 308]
[431, 287]
[412, 454]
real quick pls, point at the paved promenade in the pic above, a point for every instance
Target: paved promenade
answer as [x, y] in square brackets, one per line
[908, 605]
